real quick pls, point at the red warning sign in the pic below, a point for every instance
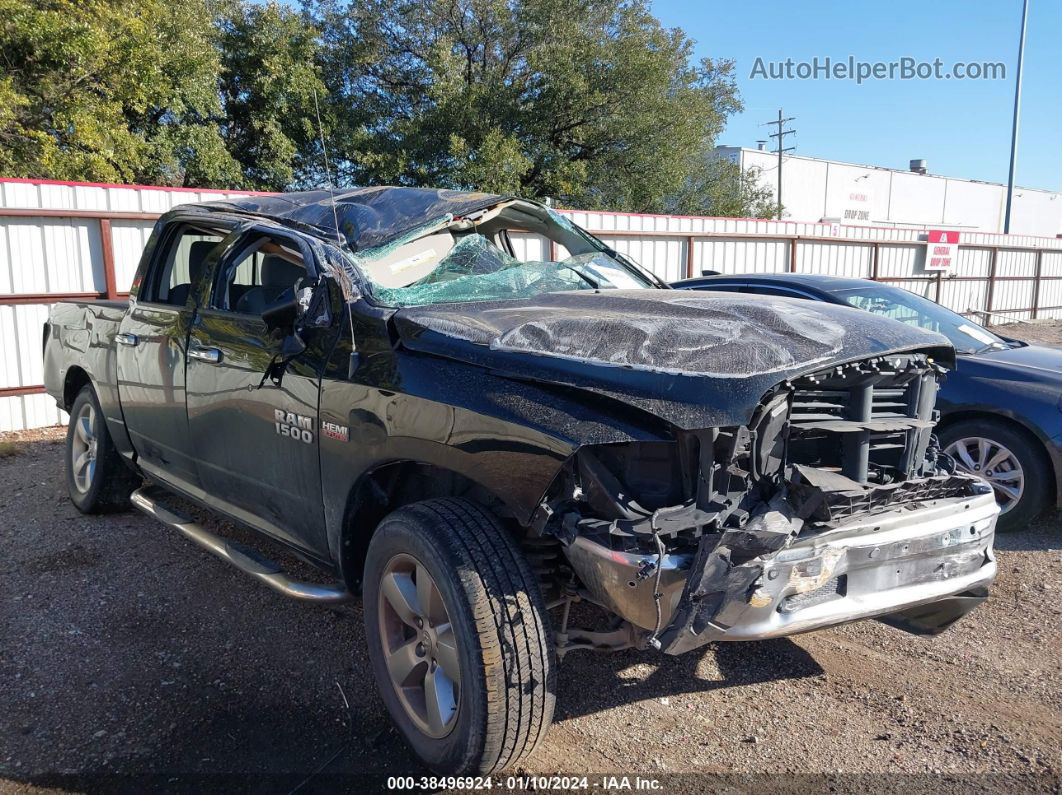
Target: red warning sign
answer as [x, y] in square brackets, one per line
[942, 249]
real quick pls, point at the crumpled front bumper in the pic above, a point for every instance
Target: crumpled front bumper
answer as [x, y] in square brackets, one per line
[895, 563]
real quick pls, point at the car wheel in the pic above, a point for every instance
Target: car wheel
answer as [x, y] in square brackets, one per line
[97, 479]
[458, 636]
[1008, 459]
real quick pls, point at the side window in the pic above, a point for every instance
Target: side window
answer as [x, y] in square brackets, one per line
[262, 275]
[890, 308]
[181, 265]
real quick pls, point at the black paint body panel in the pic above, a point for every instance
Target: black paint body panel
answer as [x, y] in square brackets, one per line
[500, 393]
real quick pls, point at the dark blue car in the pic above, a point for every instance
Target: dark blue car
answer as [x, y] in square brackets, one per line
[1001, 409]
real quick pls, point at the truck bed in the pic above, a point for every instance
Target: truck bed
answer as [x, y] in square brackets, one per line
[79, 348]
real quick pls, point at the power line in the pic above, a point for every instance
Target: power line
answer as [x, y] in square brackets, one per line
[780, 135]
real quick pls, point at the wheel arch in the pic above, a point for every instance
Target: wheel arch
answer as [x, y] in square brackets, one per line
[1016, 424]
[75, 380]
[392, 485]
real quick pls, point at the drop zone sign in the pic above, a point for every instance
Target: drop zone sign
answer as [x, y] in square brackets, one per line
[942, 250]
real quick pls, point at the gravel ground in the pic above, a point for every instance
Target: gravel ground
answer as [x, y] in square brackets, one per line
[1040, 332]
[130, 659]
[128, 652]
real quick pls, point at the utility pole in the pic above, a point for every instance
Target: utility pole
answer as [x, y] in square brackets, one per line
[780, 135]
[1017, 112]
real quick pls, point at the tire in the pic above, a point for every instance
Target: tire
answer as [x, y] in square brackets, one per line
[504, 697]
[103, 483]
[1026, 454]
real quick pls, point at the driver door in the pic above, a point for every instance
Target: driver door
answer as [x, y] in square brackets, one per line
[256, 442]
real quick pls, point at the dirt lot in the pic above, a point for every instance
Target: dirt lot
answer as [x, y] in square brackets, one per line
[126, 652]
[128, 658]
[1041, 332]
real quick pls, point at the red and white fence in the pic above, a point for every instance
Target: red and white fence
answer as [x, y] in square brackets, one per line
[77, 240]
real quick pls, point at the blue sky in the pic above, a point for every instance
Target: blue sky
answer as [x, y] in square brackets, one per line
[961, 127]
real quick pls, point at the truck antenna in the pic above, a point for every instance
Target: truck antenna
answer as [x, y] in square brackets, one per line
[328, 170]
[352, 365]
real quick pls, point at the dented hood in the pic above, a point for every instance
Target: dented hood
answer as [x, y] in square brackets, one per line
[693, 359]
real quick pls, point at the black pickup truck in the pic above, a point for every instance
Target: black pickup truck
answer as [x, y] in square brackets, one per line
[374, 380]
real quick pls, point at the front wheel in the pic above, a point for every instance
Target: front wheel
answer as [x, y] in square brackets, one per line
[1010, 461]
[97, 479]
[458, 636]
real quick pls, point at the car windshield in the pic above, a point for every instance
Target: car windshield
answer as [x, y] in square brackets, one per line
[892, 302]
[475, 269]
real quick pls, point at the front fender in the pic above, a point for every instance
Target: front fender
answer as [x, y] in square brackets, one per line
[510, 436]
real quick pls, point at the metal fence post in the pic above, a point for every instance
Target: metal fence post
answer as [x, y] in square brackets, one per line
[991, 292]
[1037, 283]
[107, 243]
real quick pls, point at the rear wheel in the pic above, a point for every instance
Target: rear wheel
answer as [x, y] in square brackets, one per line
[1010, 461]
[97, 479]
[458, 636]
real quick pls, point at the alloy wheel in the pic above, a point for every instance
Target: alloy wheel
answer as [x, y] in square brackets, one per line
[993, 463]
[420, 646]
[83, 448]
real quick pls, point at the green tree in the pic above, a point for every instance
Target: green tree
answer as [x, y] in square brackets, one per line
[591, 102]
[110, 90]
[719, 187]
[267, 82]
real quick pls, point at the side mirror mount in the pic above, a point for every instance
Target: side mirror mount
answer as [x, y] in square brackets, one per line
[285, 321]
[315, 304]
[282, 316]
[291, 346]
[309, 308]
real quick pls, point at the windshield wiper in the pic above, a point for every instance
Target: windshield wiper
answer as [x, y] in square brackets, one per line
[581, 275]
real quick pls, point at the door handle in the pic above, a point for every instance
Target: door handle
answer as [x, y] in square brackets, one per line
[212, 355]
[127, 339]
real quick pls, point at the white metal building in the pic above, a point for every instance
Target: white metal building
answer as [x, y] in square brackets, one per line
[816, 190]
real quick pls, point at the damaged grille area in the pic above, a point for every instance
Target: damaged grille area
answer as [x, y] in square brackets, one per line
[849, 440]
[838, 586]
[870, 421]
[822, 452]
[860, 438]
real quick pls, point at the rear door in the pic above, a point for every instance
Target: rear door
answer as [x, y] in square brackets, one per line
[152, 342]
[256, 442]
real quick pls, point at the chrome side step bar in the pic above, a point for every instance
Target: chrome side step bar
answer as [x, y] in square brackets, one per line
[243, 558]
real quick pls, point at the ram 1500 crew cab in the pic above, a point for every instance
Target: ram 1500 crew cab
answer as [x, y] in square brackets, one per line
[472, 439]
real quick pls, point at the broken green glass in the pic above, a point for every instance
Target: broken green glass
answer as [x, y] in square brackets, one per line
[477, 270]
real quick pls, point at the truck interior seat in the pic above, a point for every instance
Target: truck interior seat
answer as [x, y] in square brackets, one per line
[278, 284]
[197, 254]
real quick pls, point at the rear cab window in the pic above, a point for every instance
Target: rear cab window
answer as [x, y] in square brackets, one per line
[174, 273]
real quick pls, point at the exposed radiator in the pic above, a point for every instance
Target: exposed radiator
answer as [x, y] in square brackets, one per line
[869, 421]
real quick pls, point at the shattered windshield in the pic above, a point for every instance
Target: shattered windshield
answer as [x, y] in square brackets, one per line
[475, 269]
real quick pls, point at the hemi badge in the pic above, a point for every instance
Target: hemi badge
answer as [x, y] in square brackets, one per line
[332, 430]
